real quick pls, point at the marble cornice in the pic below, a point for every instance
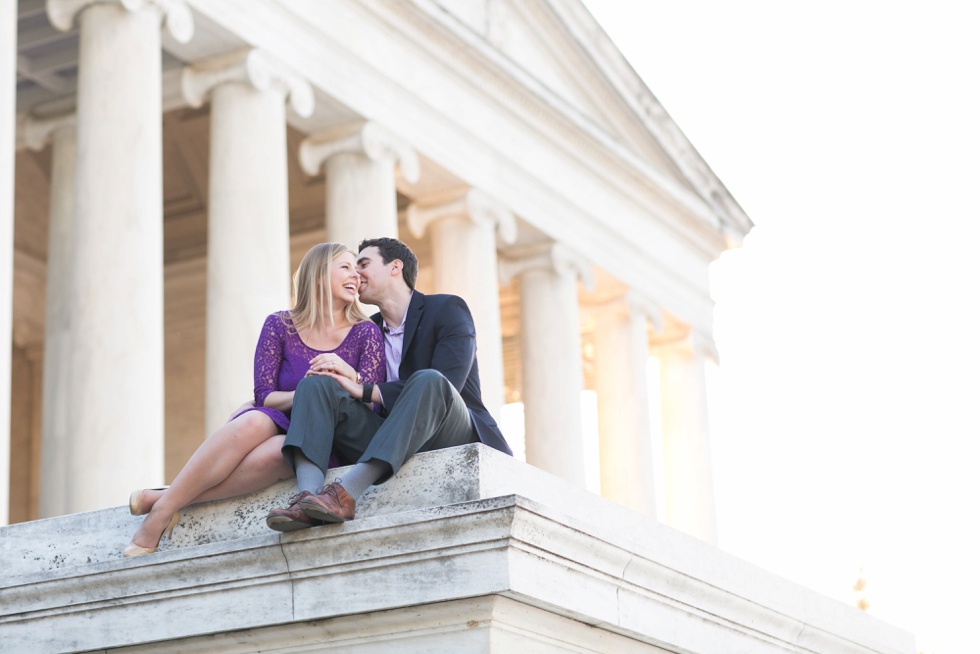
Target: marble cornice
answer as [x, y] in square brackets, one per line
[525, 100]
[529, 101]
[633, 91]
[487, 139]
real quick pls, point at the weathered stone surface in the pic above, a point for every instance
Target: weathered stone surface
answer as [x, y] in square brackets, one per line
[490, 555]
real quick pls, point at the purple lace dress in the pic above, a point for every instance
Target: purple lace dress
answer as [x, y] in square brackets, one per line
[282, 359]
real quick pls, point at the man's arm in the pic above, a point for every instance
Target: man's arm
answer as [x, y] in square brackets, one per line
[453, 348]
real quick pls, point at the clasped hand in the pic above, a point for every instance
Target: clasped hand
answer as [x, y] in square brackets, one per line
[330, 365]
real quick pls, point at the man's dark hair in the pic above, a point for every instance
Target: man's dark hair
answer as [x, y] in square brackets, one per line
[391, 249]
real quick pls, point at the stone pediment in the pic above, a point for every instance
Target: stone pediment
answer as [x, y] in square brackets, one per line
[575, 65]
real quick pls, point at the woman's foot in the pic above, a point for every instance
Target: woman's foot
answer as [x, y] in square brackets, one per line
[142, 545]
[142, 500]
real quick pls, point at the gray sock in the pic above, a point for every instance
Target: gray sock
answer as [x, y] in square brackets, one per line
[308, 476]
[356, 480]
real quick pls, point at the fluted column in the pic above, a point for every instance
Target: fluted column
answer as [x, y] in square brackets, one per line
[688, 485]
[59, 131]
[360, 169]
[551, 358]
[626, 456]
[8, 121]
[248, 212]
[464, 256]
[116, 305]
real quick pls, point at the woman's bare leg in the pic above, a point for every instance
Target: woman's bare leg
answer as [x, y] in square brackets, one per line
[217, 458]
[262, 467]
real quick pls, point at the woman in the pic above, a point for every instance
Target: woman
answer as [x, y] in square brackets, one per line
[326, 331]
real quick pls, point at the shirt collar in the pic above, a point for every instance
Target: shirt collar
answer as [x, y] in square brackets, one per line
[400, 329]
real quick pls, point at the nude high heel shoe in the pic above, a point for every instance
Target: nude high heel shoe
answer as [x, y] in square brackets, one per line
[136, 500]
[138, 550]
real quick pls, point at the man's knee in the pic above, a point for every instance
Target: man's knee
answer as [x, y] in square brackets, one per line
[427, 377]
[318, 385]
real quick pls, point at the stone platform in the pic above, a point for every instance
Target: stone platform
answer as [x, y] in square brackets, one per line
[465, 550]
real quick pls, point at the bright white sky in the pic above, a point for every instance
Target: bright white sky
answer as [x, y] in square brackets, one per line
[845, 420]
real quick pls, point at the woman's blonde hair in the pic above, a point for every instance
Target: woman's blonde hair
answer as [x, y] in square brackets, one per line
[312, 297]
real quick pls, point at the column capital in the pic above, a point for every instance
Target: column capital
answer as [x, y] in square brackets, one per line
[640, 305]
[696, 342]
[368, 139]
[248, 66]
[475, 204]
[175, 14]
[38, 130]
[632, 303]
[553, 257]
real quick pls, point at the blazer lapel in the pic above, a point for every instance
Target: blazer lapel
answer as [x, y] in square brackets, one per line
[412, 319]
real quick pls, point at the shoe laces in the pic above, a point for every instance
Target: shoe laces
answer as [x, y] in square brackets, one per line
[331, 488]
[297, 497]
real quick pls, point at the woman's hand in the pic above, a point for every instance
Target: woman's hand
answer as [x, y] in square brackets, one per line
[333, 365]
[248, 405]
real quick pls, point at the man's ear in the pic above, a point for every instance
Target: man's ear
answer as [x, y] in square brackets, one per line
[396, 267]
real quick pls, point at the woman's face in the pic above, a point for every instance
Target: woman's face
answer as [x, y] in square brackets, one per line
[344, 279]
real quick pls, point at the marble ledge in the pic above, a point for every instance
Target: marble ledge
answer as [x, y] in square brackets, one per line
[453, 525]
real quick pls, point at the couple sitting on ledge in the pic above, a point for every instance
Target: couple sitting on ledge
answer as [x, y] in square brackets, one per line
[332, 389]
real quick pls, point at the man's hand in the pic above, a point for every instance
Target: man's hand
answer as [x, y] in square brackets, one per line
[330, 364]
[356, 390]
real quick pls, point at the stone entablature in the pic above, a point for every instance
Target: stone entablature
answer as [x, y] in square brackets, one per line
[465, 549]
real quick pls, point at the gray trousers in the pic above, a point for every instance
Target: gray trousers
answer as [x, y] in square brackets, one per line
[429, 415]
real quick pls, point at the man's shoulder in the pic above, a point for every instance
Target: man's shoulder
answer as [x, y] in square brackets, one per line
[444, 306]
[436, 300]
[443, 311]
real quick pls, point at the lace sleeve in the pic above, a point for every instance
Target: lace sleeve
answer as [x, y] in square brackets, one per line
[269, 353]
[371, 362]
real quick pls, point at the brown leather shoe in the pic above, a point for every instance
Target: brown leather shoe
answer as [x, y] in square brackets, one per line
[330, 504]
[291, 518]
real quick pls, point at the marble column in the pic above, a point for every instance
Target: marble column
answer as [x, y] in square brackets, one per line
[360, 166]
[626, 453]
[464, 236]
[688, 485]
[248, 265]
[8, 122]
[551, 358]
[60, 132]
[115, 370]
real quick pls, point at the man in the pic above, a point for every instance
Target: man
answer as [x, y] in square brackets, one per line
[431, 399]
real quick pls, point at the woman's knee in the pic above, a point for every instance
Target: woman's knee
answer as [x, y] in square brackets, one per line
[252, 420]
[252, 424]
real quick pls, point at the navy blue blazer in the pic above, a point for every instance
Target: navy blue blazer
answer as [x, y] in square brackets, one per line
[440, 335]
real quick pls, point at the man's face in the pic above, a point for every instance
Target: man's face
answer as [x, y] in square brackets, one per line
[376, 276]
